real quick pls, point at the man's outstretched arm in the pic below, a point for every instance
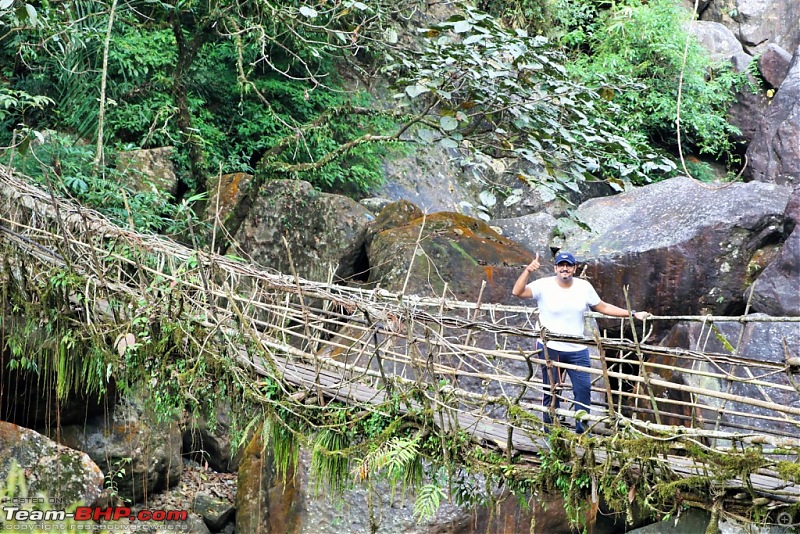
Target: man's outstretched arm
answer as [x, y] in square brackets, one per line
[615, 311]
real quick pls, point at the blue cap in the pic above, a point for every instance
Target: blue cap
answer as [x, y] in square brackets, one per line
[565, 257]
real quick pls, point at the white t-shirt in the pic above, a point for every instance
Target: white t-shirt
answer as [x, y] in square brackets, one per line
[561, 309]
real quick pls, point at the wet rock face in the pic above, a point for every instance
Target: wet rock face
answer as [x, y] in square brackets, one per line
[679, 246]
[211, 446]
[777, 289]
[429, 178]
[774, 153]
[139, 458]
[46, 467]
[264, 503]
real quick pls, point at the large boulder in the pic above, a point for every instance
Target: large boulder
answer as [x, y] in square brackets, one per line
[758, 23]
[227, 192]
[532, 231]
[60, 474]
[774, 153]
[682, 247]
[395, 214]
[446, 248]
[473, 261]
[716, 38]
[138, 455]
[149, 165]
[773, 64]
[323, 231]
[749, 105]
[776, 291]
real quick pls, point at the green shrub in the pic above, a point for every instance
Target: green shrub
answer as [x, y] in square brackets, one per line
[235, 122]
[60, 162]
[636, 60]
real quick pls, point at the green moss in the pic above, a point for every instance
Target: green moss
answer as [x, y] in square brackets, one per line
[789, 471]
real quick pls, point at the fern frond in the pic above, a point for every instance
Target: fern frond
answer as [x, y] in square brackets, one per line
[396, 455]
[428, 501]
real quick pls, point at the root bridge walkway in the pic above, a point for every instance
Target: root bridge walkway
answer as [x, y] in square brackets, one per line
[470, 366]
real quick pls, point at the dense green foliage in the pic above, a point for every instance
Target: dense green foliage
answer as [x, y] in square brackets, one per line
[505, 94]
[255, 88]
[636, 60]
[632, 53]
[62, 164]
[190, 77]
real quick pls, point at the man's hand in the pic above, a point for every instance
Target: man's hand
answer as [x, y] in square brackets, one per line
[534, 265]
[641, 315]
[521, 288]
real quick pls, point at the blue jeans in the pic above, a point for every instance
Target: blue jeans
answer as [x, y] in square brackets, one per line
[581, 382]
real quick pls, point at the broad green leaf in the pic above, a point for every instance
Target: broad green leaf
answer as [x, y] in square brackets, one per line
[546, 194]
[24, 146]
[487, 198]
[447, 142]
[308, 12]
[474, 39]
[513, 198]
[415, 90]
[448, 123]
[32, 16]
[462, 26]
[426, 135]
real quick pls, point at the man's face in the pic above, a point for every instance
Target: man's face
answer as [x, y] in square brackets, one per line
[564, 270]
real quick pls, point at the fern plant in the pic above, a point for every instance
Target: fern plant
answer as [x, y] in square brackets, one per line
[429, 498]
[398, 458]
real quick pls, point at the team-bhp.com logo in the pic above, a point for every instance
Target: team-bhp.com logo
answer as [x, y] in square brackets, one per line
[20, 517]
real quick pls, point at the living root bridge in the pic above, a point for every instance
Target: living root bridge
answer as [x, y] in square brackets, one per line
[461, 370]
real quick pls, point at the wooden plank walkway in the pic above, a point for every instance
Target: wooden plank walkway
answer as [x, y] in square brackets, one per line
[492, 433]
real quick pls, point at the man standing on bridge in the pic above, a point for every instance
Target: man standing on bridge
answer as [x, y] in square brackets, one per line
[562, 301]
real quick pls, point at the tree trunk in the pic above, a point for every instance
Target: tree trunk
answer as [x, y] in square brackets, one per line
[186, 54]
